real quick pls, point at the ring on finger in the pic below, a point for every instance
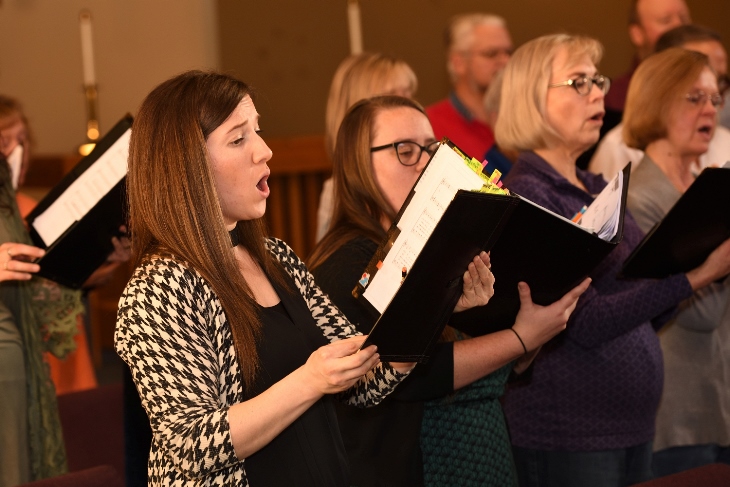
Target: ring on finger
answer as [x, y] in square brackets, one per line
[5, 265]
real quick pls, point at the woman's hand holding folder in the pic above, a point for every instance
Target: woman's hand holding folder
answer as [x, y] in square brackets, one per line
[474, 358]
[16, 261]
[478, 284]
[716, 266]
[122, 253]
[537, 324]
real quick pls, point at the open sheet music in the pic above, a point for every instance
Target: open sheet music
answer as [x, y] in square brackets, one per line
[76, 221]
[445, 174]
[603, 216]
[448, 172]
[85, 192]
[452, 213]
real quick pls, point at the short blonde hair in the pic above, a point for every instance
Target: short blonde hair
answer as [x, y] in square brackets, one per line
[362, 76]
[522, 125]
[658, 84]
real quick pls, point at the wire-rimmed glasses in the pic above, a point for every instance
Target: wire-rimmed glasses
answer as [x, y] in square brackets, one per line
[584, 84]
[699, 98]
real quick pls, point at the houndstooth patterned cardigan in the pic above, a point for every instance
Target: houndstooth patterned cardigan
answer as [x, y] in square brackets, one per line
[172, 332]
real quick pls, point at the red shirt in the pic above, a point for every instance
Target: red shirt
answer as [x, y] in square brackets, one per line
[449, 118]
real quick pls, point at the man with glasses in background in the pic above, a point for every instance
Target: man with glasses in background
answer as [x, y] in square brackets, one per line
[478, 46]
[613, 154]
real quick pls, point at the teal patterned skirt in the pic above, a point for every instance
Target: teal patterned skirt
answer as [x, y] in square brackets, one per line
[464, 437]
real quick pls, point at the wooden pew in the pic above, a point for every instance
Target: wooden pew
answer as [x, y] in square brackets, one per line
[299, 167]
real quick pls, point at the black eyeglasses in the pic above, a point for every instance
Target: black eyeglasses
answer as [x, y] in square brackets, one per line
[409, 152]
[584, 84]
[699, 98]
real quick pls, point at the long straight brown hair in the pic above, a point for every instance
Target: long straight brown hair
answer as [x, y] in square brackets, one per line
[359, 205]
[174, 207]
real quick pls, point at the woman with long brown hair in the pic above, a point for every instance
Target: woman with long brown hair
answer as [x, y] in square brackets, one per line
[217, 320]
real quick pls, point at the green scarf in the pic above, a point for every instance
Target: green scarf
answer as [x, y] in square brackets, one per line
[46, 316]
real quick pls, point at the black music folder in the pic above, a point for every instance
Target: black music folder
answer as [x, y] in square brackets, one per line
[548, 253]
[414, 319]
[697, 223]
[527, 243]
[76, 221]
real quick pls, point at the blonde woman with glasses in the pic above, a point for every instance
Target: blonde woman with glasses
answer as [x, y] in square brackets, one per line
[586, 417]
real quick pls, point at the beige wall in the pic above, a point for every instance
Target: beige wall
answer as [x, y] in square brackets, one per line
[289, 49]
[137, 44]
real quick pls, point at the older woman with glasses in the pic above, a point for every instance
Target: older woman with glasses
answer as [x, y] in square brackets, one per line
[612, 152]
[382, 147]
[671, 114]
[586, 416]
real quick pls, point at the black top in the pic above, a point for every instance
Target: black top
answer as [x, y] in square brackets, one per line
[311, 445]
[382, 442]
[189, 385]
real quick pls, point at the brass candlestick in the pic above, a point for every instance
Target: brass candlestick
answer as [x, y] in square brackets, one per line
[92, 120]
[87, 59]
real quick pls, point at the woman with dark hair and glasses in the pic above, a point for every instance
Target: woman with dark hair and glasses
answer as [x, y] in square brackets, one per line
[382, 147]
[357, 77]
[586, 416]
[671, 114]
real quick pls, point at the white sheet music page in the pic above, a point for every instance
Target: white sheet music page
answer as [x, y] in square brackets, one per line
[84, 193]
[603, 215]
[444, 176]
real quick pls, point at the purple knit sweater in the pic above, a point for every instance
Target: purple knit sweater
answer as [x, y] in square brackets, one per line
[597, 385]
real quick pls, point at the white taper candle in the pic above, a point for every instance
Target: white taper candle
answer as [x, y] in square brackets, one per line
[353, 20]
[87, 49]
